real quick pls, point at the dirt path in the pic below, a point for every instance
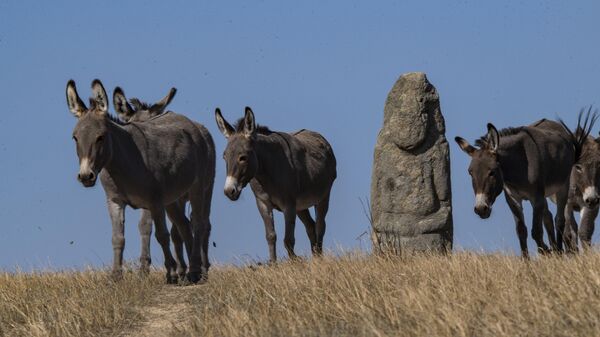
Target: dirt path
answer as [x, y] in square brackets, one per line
[166, 312]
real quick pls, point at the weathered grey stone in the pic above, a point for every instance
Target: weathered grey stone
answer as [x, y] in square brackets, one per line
[411, 201]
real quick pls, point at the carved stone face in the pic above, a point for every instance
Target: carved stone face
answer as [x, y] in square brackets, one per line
[410, 108]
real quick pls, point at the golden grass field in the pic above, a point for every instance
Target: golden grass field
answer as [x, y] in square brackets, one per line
[463, 294]
[72, 303]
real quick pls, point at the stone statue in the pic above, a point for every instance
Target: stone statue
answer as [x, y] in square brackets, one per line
[411, 200]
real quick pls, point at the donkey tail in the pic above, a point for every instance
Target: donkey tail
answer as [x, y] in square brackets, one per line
[579, 137]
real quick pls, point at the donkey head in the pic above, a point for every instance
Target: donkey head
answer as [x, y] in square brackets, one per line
[585, 174]
[91, 135]
[485, 172]
[139, 111]
[240, 155]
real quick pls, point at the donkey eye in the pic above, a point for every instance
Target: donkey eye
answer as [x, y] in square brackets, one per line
[578, 168]
[243, 159]
[492, 173]
[75, 139]
[470, 172]
[99, 139]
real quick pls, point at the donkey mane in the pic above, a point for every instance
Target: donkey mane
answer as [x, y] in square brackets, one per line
[138, 105]
[260, 129]
[115, 119]
[482, 142]
[582, 131]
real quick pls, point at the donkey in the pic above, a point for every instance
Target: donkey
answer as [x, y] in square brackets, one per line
[529, 163]
[149, 165]
[289, 172]
[139, 111]
[584, 187]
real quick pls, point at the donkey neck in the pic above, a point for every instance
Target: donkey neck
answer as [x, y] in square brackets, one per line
[513, 160]
[124, 152]
[274, 153]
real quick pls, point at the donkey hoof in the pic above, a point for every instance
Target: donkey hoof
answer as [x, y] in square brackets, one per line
[171, 279]
[571, 251]
[144, 270]
[117, 275]
[196, 278]
[544, 251]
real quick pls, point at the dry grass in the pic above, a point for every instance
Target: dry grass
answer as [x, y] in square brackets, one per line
[71, 303]
[459, 295]
[462, 294]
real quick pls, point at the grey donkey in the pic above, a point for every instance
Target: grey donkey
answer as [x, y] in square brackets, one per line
[139, 111]
[584, 191]
[289, 172]
[149, 165]
[527, 163]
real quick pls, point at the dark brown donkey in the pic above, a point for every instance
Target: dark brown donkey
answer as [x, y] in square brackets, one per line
[584, 188]
[289, 172]
[529, 163]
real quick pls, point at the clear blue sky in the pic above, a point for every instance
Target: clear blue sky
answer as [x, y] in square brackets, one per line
[321, 65]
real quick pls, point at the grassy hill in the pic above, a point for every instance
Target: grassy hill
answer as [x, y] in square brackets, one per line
[463, 294]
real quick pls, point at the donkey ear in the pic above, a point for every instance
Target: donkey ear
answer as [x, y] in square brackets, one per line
[249, 124]
[160, 106]
[465, 146]
[123, 109]
[225, 128]
[99, 97]
[493, 137]
[76, 105]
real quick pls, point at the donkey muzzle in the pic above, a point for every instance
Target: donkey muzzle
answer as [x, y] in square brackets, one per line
[88, 179]
[484, 211]
[232, 189]
[481, 206]
[86, 175]
[233, 194]
[590, 197]
[591, 202]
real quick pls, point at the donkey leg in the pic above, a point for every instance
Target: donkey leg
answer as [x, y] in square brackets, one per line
[549, 225]
[145, 228]
[207, 228]
[162, 236]
[516, 208]
[588, 215]
[309, 224]
[570, 231]
[178, 248]
[289, 241]
[537, 231]
[201, 228]
[116, 211]
[176, 213]
[562, 198]
[321, 211]
[266, 212]
[181, 234]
